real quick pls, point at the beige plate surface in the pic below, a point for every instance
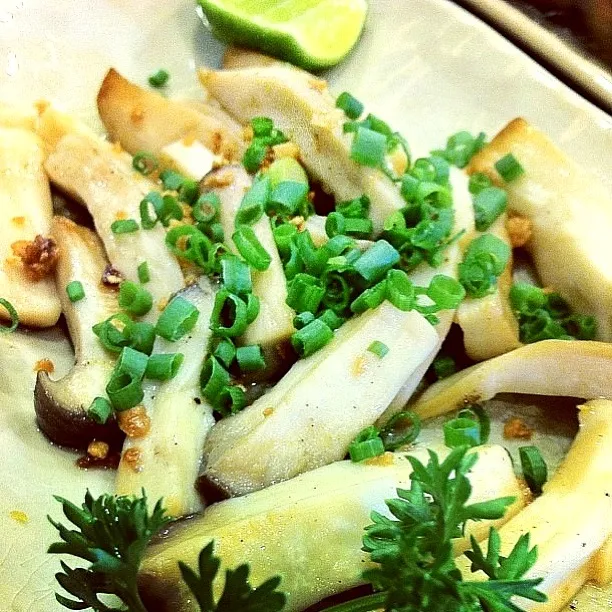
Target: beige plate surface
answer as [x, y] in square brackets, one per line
[427, 66]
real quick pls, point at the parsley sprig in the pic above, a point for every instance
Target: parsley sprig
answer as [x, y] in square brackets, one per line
[416, 569]
[112, 534]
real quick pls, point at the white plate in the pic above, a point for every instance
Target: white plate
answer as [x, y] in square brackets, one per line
[427, 66]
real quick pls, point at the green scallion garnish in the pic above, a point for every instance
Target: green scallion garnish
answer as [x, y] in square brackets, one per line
[311, 338]
[250, 358]
[124, 389]
[75, 291]
[534, 468]
[100, 410]
[509, 168]
[144, 276]
[489, 204]
[164, 366]
[352, 107]
[251, 249]
[159, 78]
[177, 319]
[380, 349]
[10, 309]
[134, 298]
[366, 445]
[145, 163]
[124, 226]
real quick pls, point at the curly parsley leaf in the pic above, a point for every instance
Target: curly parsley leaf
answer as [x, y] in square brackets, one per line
[112, 534]
[238, 595]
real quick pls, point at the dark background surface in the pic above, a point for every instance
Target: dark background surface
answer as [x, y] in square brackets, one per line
[587, 24]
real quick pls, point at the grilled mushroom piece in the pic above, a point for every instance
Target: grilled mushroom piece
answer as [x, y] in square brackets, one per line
[61, 405]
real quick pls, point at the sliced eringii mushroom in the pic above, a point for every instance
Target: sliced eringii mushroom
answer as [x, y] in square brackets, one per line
[61, 405]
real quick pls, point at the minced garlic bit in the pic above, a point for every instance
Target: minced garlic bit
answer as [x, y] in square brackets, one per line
[519, 229]
[135, 422]
[38, 256]
[359, 366]
[111, 277]
[269, 411]
[189, 138]
[137, 114]
[18, 220]
[98, 449]
[117, 148]
[286, 149]
[133, 458]
[247, 133]
[219, 179]
[517, 429]
[44, 365]
[19, 516]
[386, 459]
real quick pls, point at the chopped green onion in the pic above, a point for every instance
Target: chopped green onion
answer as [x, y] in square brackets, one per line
[331, 319]
[359, 228]
[164, 366]
[115, 333]
[374, 264]
[304, 293]
[178, 318]
[124, 226]
[286, 169]
[188, 242]
[484, 260]
[286, 197]
[369, 148]
[534, 468]
[254, 202]
[142, 337]
[461, 147]
[400, 290]
[581, 327]
[124, 389]
[444, 366]
[366, 445]
[100, 410]
[188, 192]
[75, 291]
[380, 349]
[153, 201]
[475, 412]
[10, 309]
[254, 156]
[370, 298]
[294, 263]
[337, 290]
[171, 180]
[302, 319]
[424, 170]
[159, 78]
[144, 276]
[214, 231]
[236, 275]
[213, 378]
[478, 182]
[145, 163]
[170, 209]
[314, 259]
[461, 432]
[283, 237]
[231, 400]
[401, 429]
[489, 204]
[446, 292]
[442, 168]
[339, 244]
[262, 126]
[251, 249]
[352, 107]
[225, 352]
[250, 358]
[509, 168]
[527, 299]
[134, 298]
[229, 316]
[206, 208]
[358, 208]
[311, 338]
[252, 307]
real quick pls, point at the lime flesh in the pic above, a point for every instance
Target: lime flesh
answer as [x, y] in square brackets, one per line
[313, 34]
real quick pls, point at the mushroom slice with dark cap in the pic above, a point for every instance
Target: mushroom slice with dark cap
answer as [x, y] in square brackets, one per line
[61, 405]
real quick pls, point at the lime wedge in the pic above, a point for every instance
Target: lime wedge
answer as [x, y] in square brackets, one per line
[312, 34]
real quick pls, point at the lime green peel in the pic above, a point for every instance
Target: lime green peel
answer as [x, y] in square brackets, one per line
[313, 34]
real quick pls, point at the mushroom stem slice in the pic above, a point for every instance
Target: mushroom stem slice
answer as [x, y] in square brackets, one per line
[302, 107]
[274, 324]
[166, 459]
[571, 215]
[61, 406]
[551, 367]
[422, 275]
[320, 405]
[93, 172]
[570, 522]
[25, 202]
[279, 529]
[144, 120]
[488, 324]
